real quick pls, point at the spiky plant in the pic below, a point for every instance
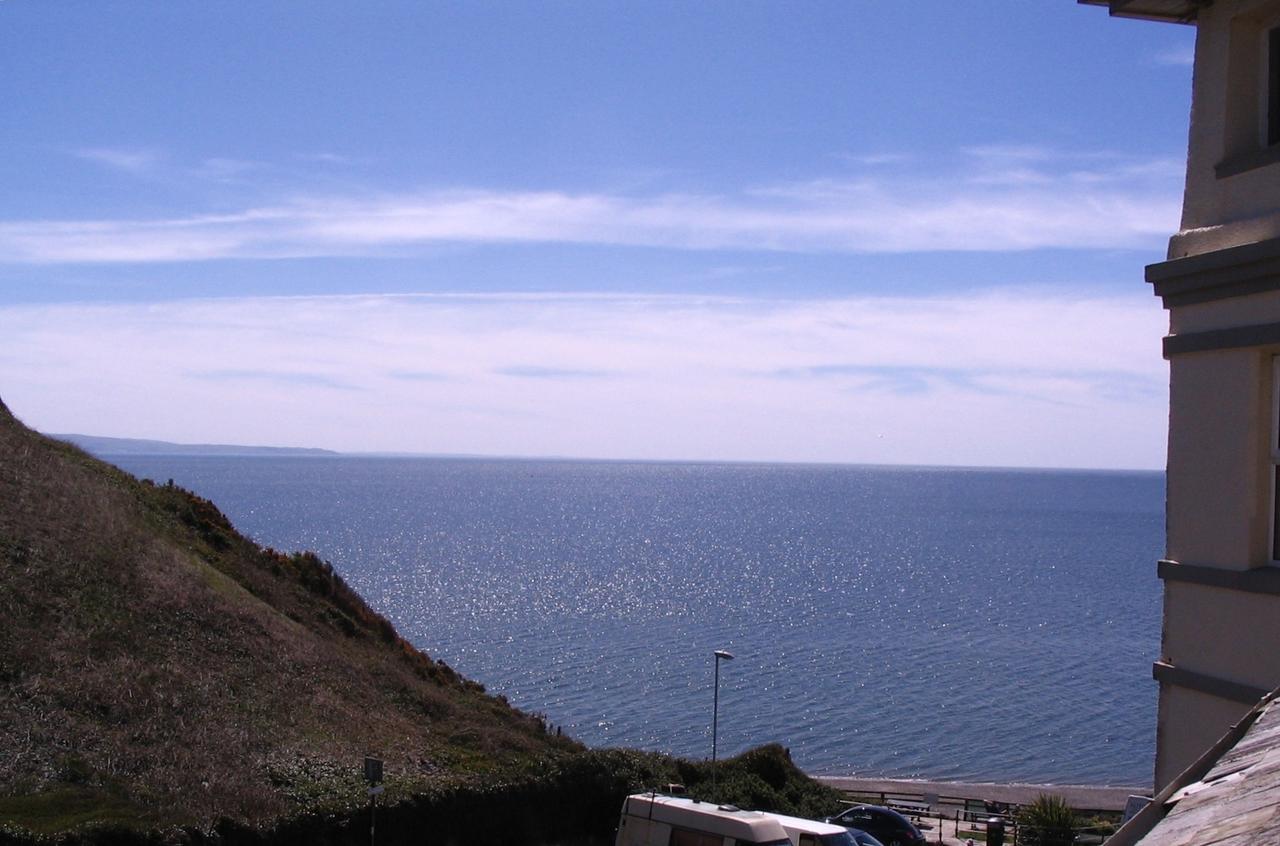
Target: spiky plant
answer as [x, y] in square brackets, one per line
[1048, 821]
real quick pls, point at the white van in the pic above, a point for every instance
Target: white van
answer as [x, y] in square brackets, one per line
[649, 819]
[813, 833]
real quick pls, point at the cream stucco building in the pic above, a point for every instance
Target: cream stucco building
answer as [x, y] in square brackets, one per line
[1221, 287]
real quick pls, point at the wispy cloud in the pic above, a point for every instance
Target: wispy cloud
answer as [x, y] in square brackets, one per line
[1183, 56]
[1030, 383]
[134, 161]
[418, 375]
[152, 166]
[225, 170]
[528, 371]
[898, 379]
[992, 378]
[275, 377]
[330, 159]
[990, 199]
[877, 159]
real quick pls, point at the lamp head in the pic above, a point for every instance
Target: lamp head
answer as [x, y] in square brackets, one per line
[720, 653]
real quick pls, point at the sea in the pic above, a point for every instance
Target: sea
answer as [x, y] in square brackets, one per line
[915, 622]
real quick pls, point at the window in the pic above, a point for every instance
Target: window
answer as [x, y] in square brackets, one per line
[1273, 87]
[1251, 122]
[1275, 460]
[687, 837]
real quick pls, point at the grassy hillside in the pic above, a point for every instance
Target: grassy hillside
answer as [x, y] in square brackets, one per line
[154, 662]
[158, 671]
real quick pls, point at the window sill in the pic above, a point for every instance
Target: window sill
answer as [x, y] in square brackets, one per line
[1244, 162]
[1262, 580]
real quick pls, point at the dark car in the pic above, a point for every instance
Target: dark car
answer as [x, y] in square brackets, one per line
[884, 824]
[862, 838]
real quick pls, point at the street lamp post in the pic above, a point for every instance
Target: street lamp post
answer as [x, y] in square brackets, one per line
[715, 714]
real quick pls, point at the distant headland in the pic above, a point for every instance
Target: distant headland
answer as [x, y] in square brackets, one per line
[100, 446]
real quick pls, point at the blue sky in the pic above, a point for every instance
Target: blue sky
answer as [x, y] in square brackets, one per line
[856, 231]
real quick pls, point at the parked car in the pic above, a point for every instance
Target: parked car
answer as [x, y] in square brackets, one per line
[862, 838]
[804, 832]
[884, 824]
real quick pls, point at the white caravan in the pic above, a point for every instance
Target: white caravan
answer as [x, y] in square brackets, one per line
[652, 820]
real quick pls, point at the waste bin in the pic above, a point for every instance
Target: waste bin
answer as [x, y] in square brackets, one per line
[995, 831]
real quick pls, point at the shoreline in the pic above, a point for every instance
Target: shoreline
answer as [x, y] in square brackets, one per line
[1078, 796]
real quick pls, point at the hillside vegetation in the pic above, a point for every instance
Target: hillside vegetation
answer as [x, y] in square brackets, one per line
[155, 662]
[160, 672]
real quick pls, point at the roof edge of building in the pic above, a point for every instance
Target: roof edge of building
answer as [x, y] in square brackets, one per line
[1169, 11]
[1145, 820]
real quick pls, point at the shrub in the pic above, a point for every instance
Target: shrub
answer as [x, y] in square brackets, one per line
[1048, 821]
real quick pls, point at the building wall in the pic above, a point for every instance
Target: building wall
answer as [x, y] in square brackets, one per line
[1183, 715]
[1228, 634]
[1221, 641]
[1217, 495]
[1225, 313]
[1231, 188]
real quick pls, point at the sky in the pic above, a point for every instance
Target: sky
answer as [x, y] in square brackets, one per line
[857, 231]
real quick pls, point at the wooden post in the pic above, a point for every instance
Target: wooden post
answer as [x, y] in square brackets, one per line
[373, 775]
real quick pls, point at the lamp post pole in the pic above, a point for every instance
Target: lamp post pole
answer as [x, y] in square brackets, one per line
[715, 714]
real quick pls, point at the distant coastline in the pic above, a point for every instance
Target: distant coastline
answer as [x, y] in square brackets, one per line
[101, 446]
[104, 447]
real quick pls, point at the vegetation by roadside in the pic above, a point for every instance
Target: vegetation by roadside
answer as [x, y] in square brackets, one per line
[1048, 821]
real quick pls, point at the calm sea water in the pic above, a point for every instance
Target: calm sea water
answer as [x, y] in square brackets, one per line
[916, 622]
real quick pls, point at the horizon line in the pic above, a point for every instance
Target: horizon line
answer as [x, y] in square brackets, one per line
[190, 450]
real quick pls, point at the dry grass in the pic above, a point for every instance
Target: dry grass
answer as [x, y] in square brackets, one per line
[155, 662]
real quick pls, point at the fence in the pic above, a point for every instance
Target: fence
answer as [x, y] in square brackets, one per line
[969, 818]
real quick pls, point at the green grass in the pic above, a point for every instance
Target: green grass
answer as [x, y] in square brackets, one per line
[66, 808]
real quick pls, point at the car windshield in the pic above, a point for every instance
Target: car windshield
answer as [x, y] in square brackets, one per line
[844, 838]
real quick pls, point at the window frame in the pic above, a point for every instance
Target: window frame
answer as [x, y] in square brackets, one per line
[681, 836]
[1273, 452]
[1270, 94]
[1251, 124]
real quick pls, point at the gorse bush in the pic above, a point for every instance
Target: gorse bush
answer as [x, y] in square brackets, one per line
[762, 779]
